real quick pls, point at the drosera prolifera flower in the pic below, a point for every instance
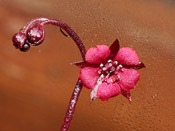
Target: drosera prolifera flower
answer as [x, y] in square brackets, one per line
[109, 72]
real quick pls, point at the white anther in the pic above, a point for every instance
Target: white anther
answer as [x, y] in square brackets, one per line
[102, 76]
[116, 62]
[99, 72]
[109, 60]
[104, 68]
[120, 66]
[110, 72]
[101, 65]
[112, 80]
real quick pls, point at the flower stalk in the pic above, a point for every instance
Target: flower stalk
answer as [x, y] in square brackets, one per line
[33, 34]
[72, 105]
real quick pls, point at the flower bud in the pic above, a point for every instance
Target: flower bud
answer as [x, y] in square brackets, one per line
[19, 39]
[25, 47]
[35, 35]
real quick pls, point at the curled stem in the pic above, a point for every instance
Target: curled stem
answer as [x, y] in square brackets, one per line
[35, 28]
[33, 34]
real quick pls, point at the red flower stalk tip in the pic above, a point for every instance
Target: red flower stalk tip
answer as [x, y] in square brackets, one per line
[33, 34]
[109, 72]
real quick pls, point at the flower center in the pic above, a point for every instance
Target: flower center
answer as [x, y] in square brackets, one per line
[109, 71]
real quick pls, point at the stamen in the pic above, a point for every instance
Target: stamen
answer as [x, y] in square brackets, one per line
[120, 66]
[110, 65]
[101, 65]
[104, 68]
[116, 62]
[102, 76]
[112, 80]
[109, 60]
[112, 69]
[99, 71]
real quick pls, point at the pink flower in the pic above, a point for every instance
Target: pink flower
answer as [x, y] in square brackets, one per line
[109, 72]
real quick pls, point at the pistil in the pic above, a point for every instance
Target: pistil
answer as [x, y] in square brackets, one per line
[110, 71]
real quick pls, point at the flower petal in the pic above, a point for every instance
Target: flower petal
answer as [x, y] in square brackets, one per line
[89, 77]
[108, 90]
[98, 54]
[127, 56]
[128, 78]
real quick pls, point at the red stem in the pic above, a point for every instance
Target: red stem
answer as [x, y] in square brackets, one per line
[79, 43]
[72, 105]
[43, 21]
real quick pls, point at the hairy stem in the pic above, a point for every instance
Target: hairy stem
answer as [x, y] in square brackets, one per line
[72, 105]
[71, 33]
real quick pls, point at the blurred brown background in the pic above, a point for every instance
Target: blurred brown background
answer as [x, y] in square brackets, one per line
[35, 87]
